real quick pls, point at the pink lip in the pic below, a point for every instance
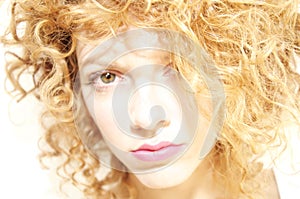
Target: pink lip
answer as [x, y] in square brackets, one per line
[159, 152]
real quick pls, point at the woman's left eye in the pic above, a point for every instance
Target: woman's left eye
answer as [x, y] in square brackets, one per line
[169, 70]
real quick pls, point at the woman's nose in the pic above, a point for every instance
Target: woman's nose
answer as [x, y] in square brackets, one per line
[147, 112]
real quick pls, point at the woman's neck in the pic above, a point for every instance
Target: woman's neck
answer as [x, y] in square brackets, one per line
[199, 185]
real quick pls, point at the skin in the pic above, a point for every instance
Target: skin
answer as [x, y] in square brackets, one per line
[152, 179]
[140, 103]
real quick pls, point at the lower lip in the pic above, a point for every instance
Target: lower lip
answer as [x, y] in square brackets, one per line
[159, 155]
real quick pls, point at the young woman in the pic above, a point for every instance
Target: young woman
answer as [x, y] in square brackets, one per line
[179, 99]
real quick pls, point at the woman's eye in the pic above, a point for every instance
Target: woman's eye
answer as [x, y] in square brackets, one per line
[105, 80]
[107, 77]
[169, 70]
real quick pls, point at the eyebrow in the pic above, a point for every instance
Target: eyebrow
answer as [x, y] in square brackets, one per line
[99, 55]
[93, 67]
[100, 58]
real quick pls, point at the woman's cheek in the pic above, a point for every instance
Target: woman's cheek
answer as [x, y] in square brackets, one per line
[105, 121]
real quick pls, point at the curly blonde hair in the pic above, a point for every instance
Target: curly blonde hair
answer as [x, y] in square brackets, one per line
[252, 43]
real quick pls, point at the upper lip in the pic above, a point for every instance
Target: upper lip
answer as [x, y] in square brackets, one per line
[147, 147]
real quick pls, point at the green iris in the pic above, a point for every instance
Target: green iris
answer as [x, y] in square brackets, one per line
[108, 77]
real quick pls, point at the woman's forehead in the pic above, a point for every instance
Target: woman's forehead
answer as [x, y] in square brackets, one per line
[139, 42]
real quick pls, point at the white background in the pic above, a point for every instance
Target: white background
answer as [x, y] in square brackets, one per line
[21, 175]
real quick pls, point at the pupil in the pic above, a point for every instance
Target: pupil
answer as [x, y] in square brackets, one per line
[108, 76]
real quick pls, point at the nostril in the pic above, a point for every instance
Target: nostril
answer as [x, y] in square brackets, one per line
[162, 124]
[157, 113]
[150, 131]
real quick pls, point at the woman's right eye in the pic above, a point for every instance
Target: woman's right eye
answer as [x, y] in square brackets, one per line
[108, 77]
[105, 79]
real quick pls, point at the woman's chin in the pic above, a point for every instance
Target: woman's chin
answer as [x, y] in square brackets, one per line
[167, 177]
[160, 183]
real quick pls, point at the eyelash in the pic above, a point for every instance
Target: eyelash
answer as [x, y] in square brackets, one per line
[99, 85]
[169, 69]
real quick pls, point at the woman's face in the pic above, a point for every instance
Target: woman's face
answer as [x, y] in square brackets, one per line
[144, 108]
